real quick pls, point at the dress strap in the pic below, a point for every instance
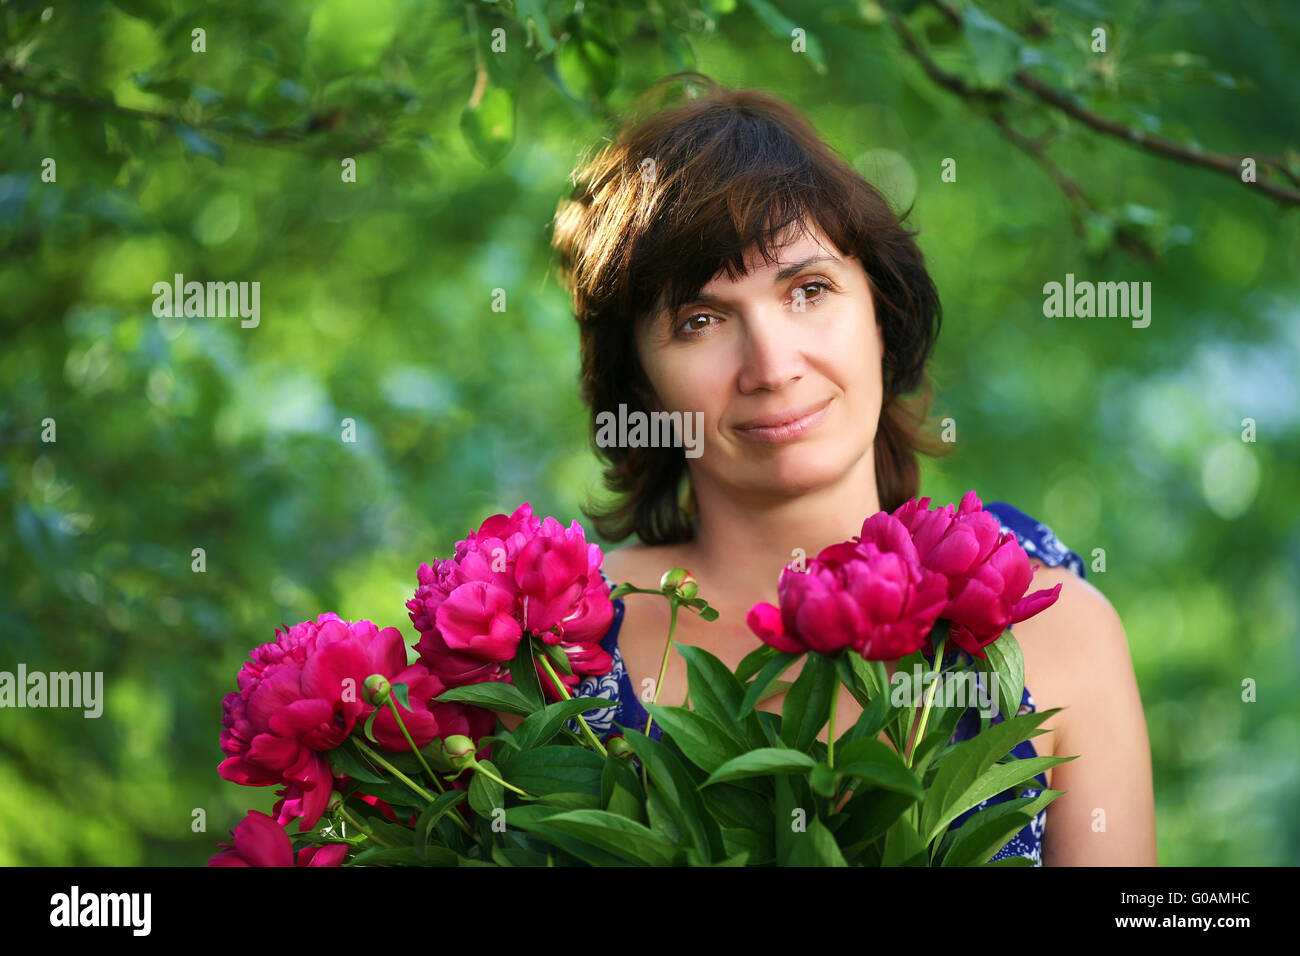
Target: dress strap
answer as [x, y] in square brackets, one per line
[1038, 540]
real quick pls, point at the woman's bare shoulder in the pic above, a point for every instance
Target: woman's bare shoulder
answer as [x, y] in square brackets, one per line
[1073, 645]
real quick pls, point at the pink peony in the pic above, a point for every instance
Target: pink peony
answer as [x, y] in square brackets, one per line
[870, 594]
[987, 570]
[260, 841]
[516, 575]
[304, 693]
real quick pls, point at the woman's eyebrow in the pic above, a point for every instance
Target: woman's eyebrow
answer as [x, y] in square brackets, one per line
[790, 271]
[787, 272]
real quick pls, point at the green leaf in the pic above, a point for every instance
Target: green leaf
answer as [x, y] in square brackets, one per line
[614, 834]
[783, 27]
[816, 847]
[485, 794]
[869, 725]
[494, 695]
[535, 11]
[368, 729]
[1004, 658]
[171, 88]
[488, 125]
[983, 834]
[757, 847]
[903, 847]
[966, 762]
[401, 693]
[664, 820]
[777, 664]
[998, 778]
[807, 703]
[867, 815]
[197, 143]
[716, 694]
[753, 662]
[559, 659]
[994, 48]
[571, 801]
[680, 795]
[626, 804]
[701, 740]
[872, 679]
[873, 761]
[404, 856]
[538, 728]
[733, 805]
[557, 769]
[534, 818]
[738, 860]
[824, 779]
[346, 761]
[587, 62]
[517, 856]
[441, 805]
[762, 762]
[523, 674]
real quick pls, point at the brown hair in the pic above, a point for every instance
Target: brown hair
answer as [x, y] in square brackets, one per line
[682, 194]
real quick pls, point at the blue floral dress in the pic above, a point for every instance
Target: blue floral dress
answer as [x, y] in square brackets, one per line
[1039, 542]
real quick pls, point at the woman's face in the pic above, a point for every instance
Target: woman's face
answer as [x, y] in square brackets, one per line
[784, 364]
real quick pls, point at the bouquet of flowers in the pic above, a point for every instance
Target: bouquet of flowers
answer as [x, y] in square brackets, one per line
[385, 761]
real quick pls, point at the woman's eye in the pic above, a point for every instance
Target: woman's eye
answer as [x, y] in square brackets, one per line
[693, 326]
[686, 327]
[801, 294]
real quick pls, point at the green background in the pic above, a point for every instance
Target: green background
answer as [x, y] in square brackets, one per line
[377, 305]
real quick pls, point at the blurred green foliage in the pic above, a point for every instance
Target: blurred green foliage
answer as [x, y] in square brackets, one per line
[376, 306]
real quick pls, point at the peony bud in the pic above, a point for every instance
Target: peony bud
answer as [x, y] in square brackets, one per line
[681, 581]
[618, 746]
[459, 750]
[377, 689]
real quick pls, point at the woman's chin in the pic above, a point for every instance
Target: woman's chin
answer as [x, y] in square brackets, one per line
[791, 475]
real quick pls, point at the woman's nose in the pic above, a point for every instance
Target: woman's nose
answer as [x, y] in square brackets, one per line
[771, 351]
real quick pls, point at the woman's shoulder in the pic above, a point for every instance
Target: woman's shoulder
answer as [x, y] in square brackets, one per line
[1055, 563]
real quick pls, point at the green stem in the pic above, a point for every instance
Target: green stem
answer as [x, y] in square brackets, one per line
[564, 691]
[418, 756]
[349, 818]
[830, 736]
[663, 670]
[479, 768]
[375, 756]
[663, 665]
[929, 697]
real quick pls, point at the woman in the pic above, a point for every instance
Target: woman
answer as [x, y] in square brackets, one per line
[727, 265]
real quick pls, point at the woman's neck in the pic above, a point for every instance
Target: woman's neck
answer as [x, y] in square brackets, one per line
[743, 540]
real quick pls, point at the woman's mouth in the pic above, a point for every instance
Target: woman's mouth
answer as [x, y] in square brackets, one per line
[784, 426]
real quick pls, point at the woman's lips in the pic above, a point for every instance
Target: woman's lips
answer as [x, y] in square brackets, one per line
[774, 434]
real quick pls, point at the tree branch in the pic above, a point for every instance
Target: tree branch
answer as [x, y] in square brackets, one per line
[1160, 145]
[17, 82]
